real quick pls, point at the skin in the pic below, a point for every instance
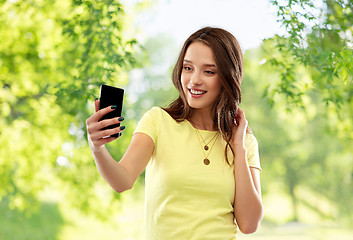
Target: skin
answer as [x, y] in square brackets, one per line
[199, 73]
[120, 175]
[248, 207]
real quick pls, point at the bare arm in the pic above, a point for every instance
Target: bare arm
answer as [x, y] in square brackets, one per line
[120, 175]
[248, 208]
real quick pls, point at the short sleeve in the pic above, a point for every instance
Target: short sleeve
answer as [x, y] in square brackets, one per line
[148, 124]
[252, 151]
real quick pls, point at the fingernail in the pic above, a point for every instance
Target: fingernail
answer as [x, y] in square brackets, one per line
[121, 119]
[113, 107]
[122, 127]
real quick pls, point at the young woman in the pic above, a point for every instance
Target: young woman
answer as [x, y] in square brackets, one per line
[201, 159]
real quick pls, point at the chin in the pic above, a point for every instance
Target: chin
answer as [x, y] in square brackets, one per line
[198, 106]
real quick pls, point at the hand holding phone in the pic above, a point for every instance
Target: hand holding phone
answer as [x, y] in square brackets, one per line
[103, 125]
[111, 96]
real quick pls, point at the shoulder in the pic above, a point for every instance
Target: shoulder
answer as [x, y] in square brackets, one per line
[252, 151]
[251, 143]
[250, 139]
[156, 109]
[161, 114]
[154, 112]
[150, 123]
[156, 115]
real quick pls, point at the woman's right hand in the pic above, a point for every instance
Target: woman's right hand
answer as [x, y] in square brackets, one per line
[97, 137]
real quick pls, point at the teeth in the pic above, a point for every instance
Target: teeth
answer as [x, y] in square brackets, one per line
[197, 92]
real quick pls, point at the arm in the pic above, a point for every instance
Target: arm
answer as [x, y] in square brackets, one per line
[248, 208]
[120, 175]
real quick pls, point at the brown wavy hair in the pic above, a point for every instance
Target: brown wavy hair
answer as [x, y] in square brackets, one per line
[230, 67]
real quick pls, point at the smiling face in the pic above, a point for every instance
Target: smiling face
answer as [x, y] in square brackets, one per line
[199, 77]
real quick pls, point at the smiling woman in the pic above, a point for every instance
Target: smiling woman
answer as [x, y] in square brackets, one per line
[199, 77]
[202, 162]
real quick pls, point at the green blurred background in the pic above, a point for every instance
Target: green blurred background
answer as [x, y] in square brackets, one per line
[297, 95]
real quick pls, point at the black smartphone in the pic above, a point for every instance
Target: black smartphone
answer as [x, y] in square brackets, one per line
[111, 96]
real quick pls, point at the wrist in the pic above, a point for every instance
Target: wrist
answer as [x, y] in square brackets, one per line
[239, 149]
[238, 143]
[97, 149]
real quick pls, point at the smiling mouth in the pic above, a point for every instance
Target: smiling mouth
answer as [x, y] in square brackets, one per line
[197, 92]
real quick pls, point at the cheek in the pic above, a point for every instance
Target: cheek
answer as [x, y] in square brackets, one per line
[183, 81]
[182, 91]
[217, 84]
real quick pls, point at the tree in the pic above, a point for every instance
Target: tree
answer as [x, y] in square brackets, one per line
[321, 41]
[311, 69]
[319, 35]
[151, 83]
[53, 57]
[299, 154]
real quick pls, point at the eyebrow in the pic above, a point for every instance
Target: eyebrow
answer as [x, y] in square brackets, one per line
[206, 65]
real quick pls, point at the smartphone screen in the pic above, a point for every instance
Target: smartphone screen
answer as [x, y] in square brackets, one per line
[111, 96]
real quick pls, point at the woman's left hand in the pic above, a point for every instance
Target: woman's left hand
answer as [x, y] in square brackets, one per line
[239, 130]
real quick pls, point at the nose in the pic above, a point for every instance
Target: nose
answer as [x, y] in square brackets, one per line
[195, 78]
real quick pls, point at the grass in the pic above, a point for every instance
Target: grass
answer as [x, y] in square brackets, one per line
[295, 230]
[55, 222]
[125, 225]
[44, 224]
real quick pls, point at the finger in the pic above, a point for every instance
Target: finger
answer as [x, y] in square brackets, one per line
[96, 105]
[235, 121]
[241, 113]
[239, 117]
[109, 132]
[103, 141]
[109, 122]
[95, 128]
[100, 113]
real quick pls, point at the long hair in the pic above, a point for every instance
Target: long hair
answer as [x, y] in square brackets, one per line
[230, 66]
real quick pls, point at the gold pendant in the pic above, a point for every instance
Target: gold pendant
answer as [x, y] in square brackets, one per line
[205, 147]
[206, 161]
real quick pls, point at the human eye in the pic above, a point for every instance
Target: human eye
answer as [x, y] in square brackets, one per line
[209, 72]
[187, 68]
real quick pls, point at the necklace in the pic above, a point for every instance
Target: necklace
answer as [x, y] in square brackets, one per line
[203, 140]
[206, 161]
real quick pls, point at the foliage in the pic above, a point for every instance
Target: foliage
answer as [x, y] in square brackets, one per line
[55, 54]
[320, 37]
[16, 226]
[310, 70]
[53, 57]
[297, 148]
[154, 77]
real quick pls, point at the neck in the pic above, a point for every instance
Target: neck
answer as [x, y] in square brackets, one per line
[202, 120]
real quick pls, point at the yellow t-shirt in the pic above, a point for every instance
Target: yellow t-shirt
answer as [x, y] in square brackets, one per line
[186, 199]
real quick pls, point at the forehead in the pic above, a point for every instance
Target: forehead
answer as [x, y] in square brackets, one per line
[199, 53]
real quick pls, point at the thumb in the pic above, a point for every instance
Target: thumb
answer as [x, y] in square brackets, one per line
[96, 104]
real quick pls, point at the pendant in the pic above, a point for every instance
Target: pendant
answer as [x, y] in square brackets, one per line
[206, 161]
[205, 147]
